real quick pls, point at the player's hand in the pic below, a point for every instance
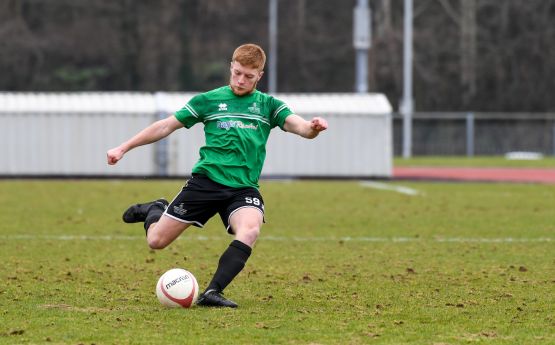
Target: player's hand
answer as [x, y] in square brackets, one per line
[318, 124]
[114, 155]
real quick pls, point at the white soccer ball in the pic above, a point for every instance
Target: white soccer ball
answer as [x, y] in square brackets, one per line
[177, 288]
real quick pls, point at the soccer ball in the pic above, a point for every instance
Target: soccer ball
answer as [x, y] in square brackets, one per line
[177, 288]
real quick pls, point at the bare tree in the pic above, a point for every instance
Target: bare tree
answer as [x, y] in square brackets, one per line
[468, 54]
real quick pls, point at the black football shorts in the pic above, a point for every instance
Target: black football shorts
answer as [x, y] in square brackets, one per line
[201, 198]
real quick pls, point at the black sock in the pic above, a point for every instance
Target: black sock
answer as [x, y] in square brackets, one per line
[231, 263]
[153, 215]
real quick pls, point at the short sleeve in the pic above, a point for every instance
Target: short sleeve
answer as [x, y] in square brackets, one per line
[279, 111]
[191, 113]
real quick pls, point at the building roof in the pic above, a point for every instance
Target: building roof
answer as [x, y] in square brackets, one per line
[143, 102]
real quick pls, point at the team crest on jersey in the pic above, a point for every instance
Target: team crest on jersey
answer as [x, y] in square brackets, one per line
[222, 107]
[254, 109]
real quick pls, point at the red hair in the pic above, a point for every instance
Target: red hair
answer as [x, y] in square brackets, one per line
[250, 55]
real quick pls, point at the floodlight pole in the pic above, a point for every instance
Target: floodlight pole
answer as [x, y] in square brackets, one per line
[273, 41]
[407, 106]
[362, 43]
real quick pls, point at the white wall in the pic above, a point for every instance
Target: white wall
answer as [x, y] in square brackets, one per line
[66, 144]
[68, 134]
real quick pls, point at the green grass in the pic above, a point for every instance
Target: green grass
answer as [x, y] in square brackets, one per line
[337, 263]
[478, 161]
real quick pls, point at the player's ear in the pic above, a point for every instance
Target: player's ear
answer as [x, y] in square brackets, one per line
[260, 75]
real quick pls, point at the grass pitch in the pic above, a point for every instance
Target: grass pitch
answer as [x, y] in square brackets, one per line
[337, 263]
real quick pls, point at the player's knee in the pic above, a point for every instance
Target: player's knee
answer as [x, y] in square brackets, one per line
[249, 234]
[254, 232]
[156, 242]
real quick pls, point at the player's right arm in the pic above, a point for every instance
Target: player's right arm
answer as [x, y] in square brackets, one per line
[156, 131]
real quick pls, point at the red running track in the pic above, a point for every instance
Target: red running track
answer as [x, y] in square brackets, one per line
[526, 175]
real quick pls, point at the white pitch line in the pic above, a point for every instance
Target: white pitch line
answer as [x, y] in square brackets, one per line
[496, 240]
[70, 237]
[32, 237]
[388, 187]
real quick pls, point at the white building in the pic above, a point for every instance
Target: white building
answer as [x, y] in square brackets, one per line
[68, 134]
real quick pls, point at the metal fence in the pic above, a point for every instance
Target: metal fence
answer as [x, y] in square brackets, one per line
[477, 133]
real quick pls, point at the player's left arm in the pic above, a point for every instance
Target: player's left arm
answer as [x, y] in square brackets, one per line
[306, 129]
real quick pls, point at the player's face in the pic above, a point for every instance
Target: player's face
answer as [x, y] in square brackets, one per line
[243, 79]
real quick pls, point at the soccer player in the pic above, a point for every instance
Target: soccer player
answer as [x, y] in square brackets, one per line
[237, 121]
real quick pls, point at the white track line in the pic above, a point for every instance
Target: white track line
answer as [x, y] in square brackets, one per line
[33, 237]
[389, 187]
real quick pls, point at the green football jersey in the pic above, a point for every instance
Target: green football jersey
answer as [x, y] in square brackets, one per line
[236, 130]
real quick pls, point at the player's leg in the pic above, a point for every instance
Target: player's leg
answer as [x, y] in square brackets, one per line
[160, 230]
[140, 212]
[163, 232]
[246, 224]
[244, 221]
[163, 222]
